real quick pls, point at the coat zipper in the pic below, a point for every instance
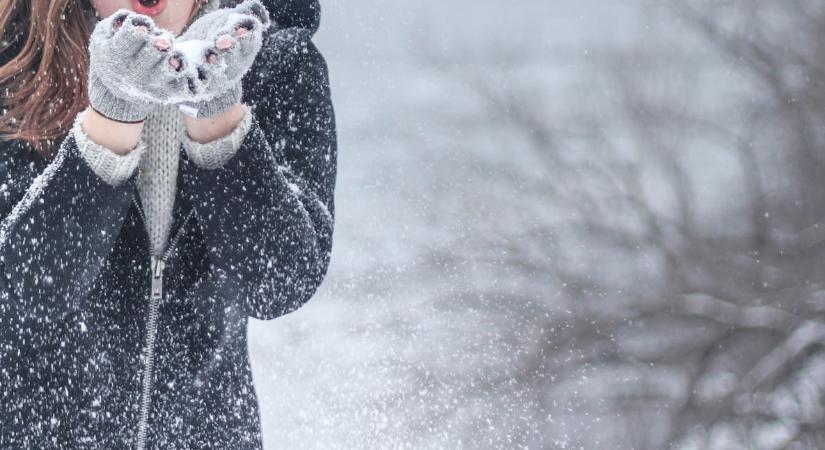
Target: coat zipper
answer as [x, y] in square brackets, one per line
[156, 295]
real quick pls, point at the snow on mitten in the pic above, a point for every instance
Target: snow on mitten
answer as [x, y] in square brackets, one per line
[220, 47]
[131, 67]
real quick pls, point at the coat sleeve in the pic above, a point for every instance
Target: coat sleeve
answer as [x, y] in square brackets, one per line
[59, 223]
[267, 213]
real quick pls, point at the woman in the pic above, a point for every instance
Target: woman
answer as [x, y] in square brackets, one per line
[136, 239]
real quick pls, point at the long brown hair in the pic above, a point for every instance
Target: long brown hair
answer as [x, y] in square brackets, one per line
[44, 84]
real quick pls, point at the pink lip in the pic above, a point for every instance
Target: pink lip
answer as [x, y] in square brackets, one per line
[150, 11]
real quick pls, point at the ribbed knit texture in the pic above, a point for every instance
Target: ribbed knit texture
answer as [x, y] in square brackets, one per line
[157, 155]
[214, 154]
[157, 181]
[113, 168]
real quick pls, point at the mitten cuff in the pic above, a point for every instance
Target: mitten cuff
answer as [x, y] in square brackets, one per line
[113, 107]
[214, 154]
[113, 168]
[219, 104]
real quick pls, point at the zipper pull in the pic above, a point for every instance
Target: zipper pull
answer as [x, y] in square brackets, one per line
[157, 277]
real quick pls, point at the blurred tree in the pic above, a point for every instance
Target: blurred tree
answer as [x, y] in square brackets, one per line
[659, 225]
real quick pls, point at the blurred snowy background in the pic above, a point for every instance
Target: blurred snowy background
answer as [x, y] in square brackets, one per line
[584, 224]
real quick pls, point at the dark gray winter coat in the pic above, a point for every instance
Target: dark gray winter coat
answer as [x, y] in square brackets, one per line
[252, 238]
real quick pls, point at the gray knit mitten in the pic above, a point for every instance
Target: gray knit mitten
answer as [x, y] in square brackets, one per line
[218, 55]
[129, 75]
